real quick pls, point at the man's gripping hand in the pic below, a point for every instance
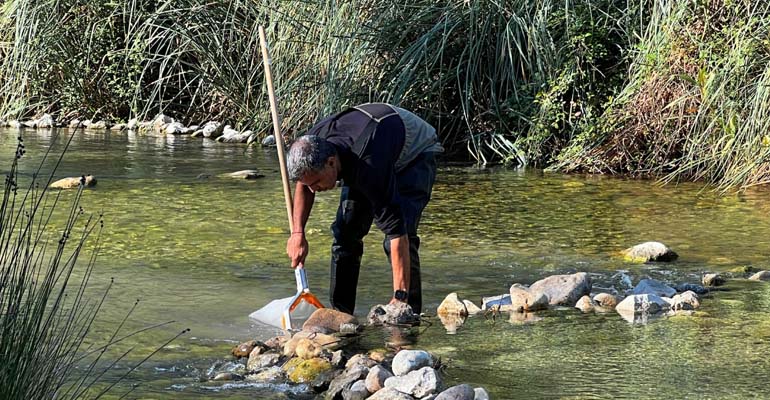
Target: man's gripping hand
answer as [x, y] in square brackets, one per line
[297, 248]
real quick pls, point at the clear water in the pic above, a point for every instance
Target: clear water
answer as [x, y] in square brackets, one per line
[207, 252]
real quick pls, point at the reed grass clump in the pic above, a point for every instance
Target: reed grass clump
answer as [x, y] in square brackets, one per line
[47, 305]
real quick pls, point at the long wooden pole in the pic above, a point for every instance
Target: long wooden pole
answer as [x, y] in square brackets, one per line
[276, 125]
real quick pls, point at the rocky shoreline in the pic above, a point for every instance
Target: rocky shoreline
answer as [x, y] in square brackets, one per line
[160, 125]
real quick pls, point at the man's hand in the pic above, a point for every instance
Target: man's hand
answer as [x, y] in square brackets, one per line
[297, 249]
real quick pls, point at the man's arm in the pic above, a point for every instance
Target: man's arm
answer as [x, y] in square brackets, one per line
[297, 247]
[399, 256]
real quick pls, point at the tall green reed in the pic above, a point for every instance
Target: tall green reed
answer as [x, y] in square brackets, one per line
[47, 309]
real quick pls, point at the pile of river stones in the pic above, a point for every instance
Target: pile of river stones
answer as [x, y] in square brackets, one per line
[160, 125]
[322, 356]
[647, 299]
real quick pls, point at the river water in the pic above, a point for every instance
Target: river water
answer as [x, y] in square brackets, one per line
[206, 251]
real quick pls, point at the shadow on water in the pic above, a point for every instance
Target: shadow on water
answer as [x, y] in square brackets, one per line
[206, 251]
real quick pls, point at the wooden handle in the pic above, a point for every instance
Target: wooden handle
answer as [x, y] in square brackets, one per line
[276, 125]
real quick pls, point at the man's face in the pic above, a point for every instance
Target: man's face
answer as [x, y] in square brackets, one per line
[322, 180]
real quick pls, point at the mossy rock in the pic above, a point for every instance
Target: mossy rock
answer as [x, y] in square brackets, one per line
[303, 371]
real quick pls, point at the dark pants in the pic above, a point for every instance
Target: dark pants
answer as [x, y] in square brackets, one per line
[354, 218]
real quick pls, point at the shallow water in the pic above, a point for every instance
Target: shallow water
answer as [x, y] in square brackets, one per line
[205, 252]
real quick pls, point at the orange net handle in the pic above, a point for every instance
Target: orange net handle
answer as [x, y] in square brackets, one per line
[309, 298]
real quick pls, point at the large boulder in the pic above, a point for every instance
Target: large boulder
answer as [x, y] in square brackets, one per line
[649, 251]
[327, 320]
[525, 300]
[651, 286]
[563, 290]
[423, 382]
[452, 306]
[410, 360]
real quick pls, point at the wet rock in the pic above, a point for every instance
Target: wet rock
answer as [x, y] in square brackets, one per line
[227, 376]
[307, 349]
[338, 359]
[419, 383]
[685, 301]
[406, 361]
[651, 286]
[30, 124]
[212, 129]
[397, 313]
[360, 360]
[159, 123]
[74, 182]
[132, 124]
[260, 361]
[345, 381]
[451, 305]
[45, 121]
[269, 375]
[585, 304]
[500, 303]
[327, 320]
[698, 289]
[375, 379]
[118, 127]
[174, 128]
[458, 392]
[98, 125]
[713, 280]
[390, 394]
[230, 135]
[321, 383]
[75, 124]
[563, 290]
[472, 308]
[356, 391]
[203, 176]
[277, 342]
[642, 303]
[525, 300]
[321, 340]
[244, 349]
[607, 300]
[649, 251]
[524, 318]
[481, 394]
[14, 124]
[305, 371]
[246, 174]
[451, 322]
[268, 141]
[761, 276]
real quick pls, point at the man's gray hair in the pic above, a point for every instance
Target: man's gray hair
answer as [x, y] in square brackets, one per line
[308, 153]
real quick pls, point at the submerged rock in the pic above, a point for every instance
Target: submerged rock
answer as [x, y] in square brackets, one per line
[452, 321]
[452, 305]
[327, 320]
[563, 290]
[649, 251]
[698, 289]
[500, 303]
[713, 280]
[761, 276]
[652, 286]
[74, 182]
[228, 376]
[246, 174]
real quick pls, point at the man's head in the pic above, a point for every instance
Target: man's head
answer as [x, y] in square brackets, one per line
[313, 162]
